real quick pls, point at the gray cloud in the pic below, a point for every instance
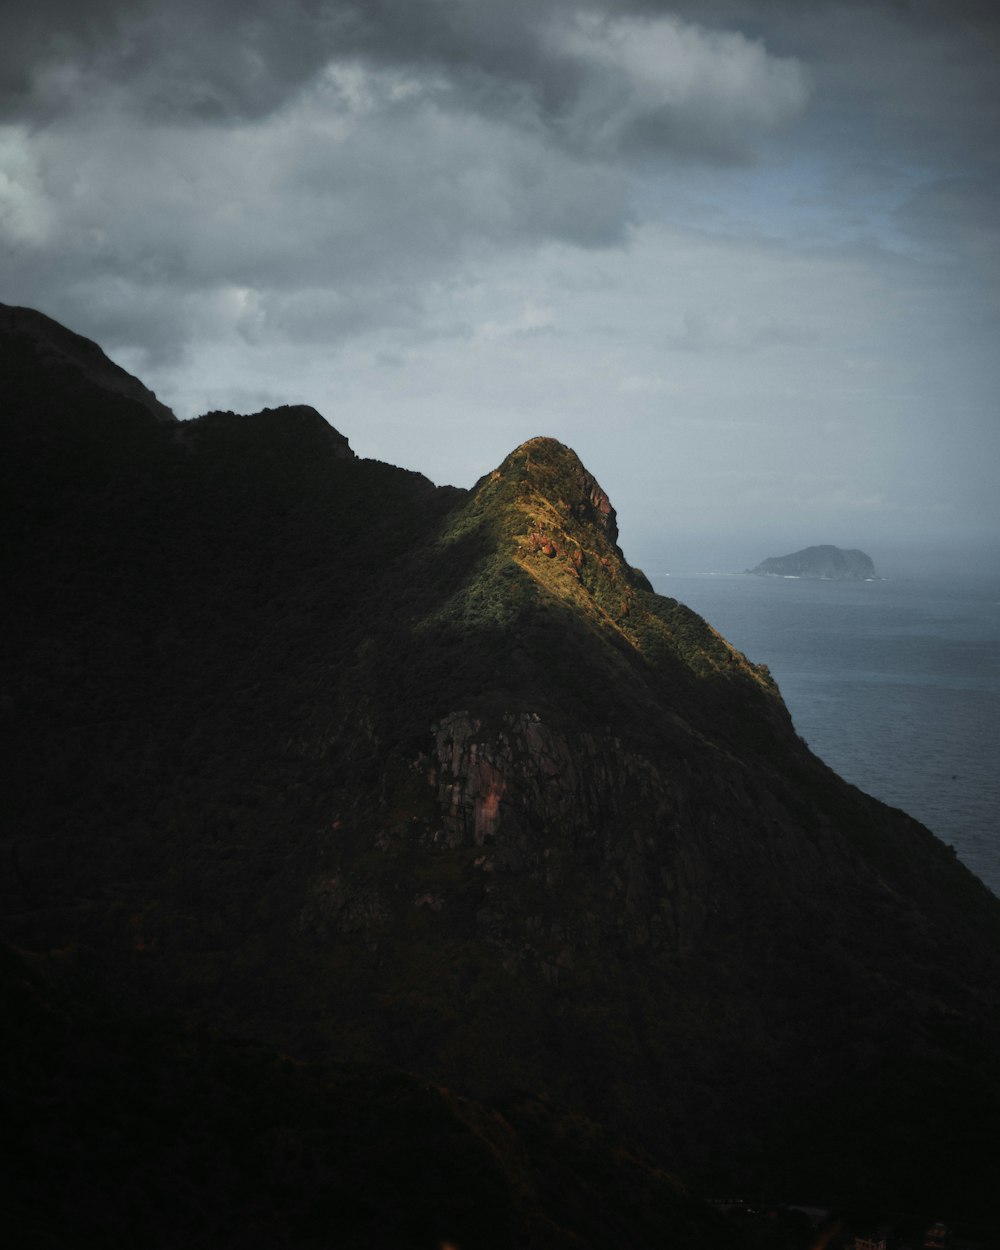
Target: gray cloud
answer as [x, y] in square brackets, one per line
[961, 214]
[661, 217]
[240, 156]
[367, 189]
[593, 78]
[201, 61]
[731, 332]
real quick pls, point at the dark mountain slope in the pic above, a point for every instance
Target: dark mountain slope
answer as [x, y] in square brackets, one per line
[121, 1131]
[77, 372]
[309, 748]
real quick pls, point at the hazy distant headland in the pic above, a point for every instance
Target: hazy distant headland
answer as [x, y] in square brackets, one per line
[828, 562]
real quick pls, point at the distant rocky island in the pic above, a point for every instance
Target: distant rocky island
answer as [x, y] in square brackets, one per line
[827, 562]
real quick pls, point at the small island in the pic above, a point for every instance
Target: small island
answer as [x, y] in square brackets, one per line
[826, 562]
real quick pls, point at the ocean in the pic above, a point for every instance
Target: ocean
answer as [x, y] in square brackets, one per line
[894, 683]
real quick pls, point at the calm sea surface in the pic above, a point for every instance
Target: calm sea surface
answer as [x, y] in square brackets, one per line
[895, 684]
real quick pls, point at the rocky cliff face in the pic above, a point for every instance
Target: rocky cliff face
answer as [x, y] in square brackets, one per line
[537, 804]
[311, 750]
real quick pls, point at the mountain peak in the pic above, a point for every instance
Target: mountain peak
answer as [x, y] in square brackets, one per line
[289, 425]
[558, 473]
[52, 348]
[544, 512]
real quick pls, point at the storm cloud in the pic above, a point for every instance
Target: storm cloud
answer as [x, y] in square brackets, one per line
[454, 223]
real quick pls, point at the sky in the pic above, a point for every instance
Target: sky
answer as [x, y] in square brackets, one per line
[742, 255]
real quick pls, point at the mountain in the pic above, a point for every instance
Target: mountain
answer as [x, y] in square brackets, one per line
[127, 1131]
[71, 363]
[308, 750]
[831, 563]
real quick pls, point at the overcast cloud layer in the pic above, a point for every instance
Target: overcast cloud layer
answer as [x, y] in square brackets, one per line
[743, 256]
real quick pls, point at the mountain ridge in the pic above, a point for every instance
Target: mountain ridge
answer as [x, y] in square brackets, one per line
[309, 749]
[60, 350]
